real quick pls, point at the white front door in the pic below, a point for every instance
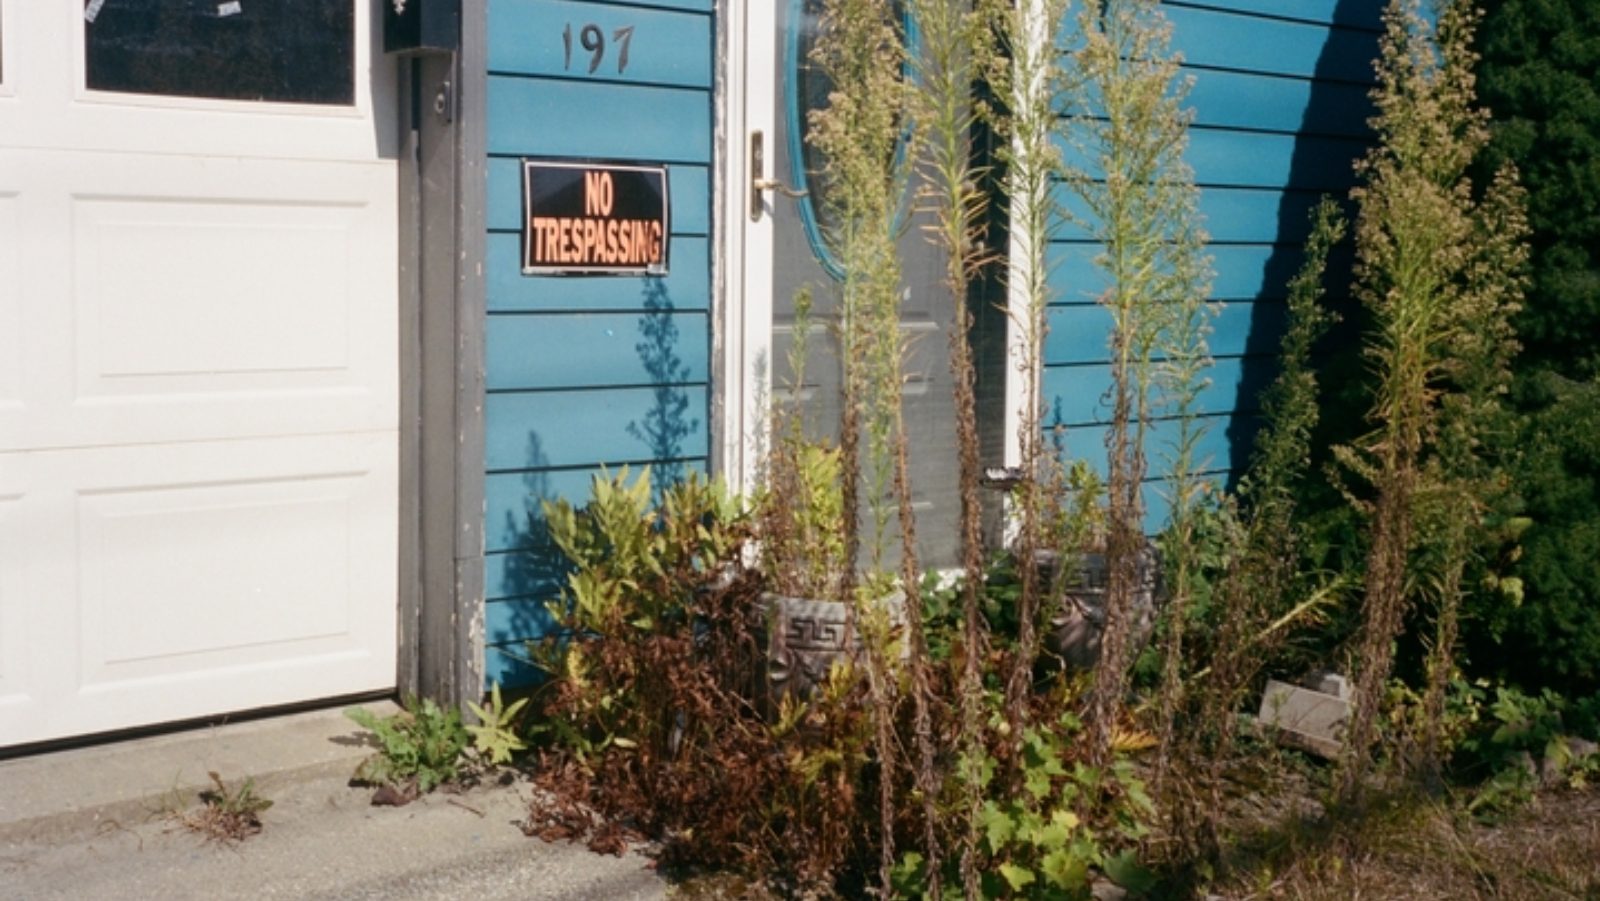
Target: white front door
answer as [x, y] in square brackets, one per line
[198, 360]
[785, 251]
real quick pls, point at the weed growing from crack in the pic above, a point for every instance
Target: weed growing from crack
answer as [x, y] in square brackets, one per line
[228, 815]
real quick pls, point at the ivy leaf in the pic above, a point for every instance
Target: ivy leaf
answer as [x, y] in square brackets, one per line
[1019, 878]
[1126, 871]
[998, 826]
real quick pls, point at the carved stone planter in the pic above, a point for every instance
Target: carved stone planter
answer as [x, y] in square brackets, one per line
[805, 636]
[1076, 628]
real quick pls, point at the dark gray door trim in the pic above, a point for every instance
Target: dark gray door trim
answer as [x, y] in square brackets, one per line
[442, 370]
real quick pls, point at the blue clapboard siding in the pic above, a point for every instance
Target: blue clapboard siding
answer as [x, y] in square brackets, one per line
[1279, 100]
[1078, 332]
[1322, 12]
[1255, 159]
[1076, 402]
[554, 117]
[1242, 271]
[571, 428]
[1232, 215]
[585, 350]
[1250, 43]
[1088, 442]
[585, 372]
[664, 47]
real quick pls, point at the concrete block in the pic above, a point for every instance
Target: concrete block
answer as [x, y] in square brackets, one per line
[1310, 720]
[1329, 683]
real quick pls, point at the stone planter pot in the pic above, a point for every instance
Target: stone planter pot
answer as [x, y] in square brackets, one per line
[806, 636]
[1075, 630]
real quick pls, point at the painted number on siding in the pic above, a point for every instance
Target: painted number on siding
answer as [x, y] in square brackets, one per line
[593, 39]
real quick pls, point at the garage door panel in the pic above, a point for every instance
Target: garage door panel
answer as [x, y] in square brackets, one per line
[177, 571]
[186, 300]
[180, 293]
[196, 578]
[48, 72]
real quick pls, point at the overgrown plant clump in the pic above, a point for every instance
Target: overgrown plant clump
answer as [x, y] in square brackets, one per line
[657, 713]
[1261, 596]
[1440, 272]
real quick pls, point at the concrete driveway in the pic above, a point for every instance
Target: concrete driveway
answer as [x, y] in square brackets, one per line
[98, 823]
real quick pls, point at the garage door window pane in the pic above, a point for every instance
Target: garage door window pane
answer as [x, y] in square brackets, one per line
[286, 51]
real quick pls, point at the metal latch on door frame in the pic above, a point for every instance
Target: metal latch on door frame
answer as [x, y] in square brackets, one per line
[759, 183]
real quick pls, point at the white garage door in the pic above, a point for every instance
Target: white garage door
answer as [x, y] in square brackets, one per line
[198, 360]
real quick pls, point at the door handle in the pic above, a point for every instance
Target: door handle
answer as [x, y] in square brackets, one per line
[760, 183]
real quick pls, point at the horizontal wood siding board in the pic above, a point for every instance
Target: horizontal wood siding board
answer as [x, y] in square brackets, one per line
[1364, 14]
[666, 47]
[1243, 271]
[535, 575]
[1225, 157]
[596, 350]
[551, 117]
[1157, 497]
[1273, 103]
[1077, 393]
[507, 665]
[1231, 215]
[516, 619]
[687, 285]
[575, 428]
[1088, 443]
[1250, 43]
[1277, 103]
[514, 501]
[1079, 334]
[688, 190]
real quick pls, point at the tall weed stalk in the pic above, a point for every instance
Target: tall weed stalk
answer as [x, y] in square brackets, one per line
[1130, 127]
[955, 49]
[1430, 271]
[860, 49]
[1027, 76]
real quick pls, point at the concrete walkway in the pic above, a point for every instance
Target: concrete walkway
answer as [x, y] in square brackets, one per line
[99, 823]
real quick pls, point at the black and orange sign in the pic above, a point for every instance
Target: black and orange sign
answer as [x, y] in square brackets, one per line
[586, 218]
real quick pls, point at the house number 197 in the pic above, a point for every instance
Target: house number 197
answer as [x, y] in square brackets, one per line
[593, 39]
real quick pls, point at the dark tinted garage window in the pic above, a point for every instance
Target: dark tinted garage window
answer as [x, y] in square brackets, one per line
[290, 51]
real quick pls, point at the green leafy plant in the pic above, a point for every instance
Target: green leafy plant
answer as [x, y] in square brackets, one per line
[419, 748]
[1062, 823]
[494, 737]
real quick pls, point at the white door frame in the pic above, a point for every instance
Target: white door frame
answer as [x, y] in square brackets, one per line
[743, 342]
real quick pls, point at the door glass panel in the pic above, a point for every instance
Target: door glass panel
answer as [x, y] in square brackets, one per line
[802, 262]
[286, 51]
[804, 88]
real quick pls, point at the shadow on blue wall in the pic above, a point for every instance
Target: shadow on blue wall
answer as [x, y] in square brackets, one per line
[1313, 173]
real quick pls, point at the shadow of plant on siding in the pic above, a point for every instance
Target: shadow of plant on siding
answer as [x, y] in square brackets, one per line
[531, 571]
[667, 425]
